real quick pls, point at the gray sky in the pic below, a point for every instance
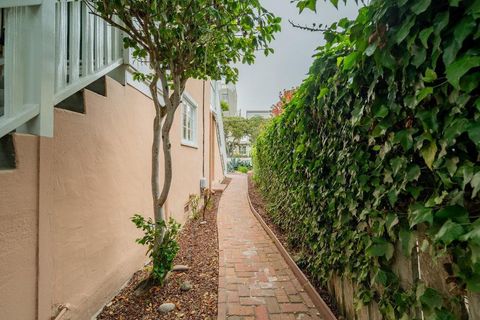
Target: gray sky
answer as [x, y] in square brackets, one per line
[259, 84]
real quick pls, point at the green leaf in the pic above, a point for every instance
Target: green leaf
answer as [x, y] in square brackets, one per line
[422, 94]
[380, 111]
[413, 172]
[430, 76]
[474, 133]
[425, 35]
[428, 154]
[419, 213]
[475, 183]
[391, 221]
[460, 67]
[404, 30]
[429, 298]
[428, 119]
[455, 213]
[451, 165]
[474, 235]
[350, 60]
[405, 138]
[407, 241]
[420, 6]
[473, 283]
[449, 232]
[381, 248]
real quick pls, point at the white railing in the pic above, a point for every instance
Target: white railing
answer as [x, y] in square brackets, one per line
[52, 49]
[86, 47]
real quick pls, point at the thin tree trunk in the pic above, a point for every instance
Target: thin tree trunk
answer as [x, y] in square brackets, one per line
[155, 179]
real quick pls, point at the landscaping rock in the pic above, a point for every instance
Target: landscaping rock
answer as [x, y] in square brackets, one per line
[180, 268]
[166, 307]
[186, 286]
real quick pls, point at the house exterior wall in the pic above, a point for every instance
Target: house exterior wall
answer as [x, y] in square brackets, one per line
[98, 178]
[18, 232]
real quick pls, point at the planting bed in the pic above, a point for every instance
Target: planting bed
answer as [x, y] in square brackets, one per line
[199, 251]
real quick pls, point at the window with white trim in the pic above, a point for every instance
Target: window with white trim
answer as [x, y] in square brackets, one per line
[189, 123]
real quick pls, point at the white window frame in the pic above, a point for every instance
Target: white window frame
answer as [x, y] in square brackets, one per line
[188, 104]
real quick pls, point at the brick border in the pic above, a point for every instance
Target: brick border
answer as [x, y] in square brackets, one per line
[317, 300]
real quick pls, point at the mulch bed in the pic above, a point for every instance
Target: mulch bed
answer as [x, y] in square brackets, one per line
[198, 250]
[260, 206]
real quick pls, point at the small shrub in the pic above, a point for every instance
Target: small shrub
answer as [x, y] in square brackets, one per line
[242, 169]
[194, 202]
[162, 254]
[235, 163]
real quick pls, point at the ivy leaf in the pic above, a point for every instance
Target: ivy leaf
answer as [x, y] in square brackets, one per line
[449, 232]
[428, 154]
[459, 68]
[422, 94]
[413, 172]
[474, 133]
[420, 6]
[407, 241]
[474, 235]
[391, 221]
[404, 30]
[350, 60]
[455, 213]
[428, 119]
[475, 183]
[381, 248]
[429, 297]
[425, 35]
[380, 111]
[430, 76]
[405, 138]
[451, 165]
[419, 213]
[473, 283]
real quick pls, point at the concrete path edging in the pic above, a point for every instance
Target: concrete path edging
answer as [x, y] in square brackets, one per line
[317, 300]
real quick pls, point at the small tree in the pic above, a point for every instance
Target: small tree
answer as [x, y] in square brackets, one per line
[183, 39]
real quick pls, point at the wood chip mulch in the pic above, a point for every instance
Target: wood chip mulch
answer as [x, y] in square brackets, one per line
[260, 206]
[199, 251]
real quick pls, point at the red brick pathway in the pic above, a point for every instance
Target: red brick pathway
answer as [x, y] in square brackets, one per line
[255, 282]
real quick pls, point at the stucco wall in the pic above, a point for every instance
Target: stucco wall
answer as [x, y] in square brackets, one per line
[18, 232]
[99, 178]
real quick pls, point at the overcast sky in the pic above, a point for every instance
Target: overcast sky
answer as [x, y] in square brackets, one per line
[259, 84]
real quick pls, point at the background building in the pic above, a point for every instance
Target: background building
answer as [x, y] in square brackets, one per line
[258, 113]
[228, 93]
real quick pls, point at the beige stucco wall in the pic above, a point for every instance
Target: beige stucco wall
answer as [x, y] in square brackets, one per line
[100, 177]
[18, 232]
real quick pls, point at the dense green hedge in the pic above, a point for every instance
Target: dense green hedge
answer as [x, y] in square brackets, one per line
[381, 141]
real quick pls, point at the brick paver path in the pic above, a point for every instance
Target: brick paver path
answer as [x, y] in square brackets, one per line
[255, 282]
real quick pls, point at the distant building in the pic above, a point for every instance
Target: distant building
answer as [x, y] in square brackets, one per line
[228, 93]
[259, 113]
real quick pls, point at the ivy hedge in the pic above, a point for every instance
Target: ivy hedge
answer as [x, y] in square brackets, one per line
[380, 144]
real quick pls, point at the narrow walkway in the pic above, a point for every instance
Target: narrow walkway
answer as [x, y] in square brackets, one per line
[254, 280]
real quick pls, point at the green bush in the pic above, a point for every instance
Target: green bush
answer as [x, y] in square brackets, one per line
[380, 146]
[162, 255]
[242, 169]
[235, 163]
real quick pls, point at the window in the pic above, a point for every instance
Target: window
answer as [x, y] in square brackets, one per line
[189, 123]
[243, 150]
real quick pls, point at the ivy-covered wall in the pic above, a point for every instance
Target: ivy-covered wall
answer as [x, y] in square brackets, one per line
[380, 148]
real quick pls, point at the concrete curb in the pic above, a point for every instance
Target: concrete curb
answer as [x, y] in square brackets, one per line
[317, 300]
